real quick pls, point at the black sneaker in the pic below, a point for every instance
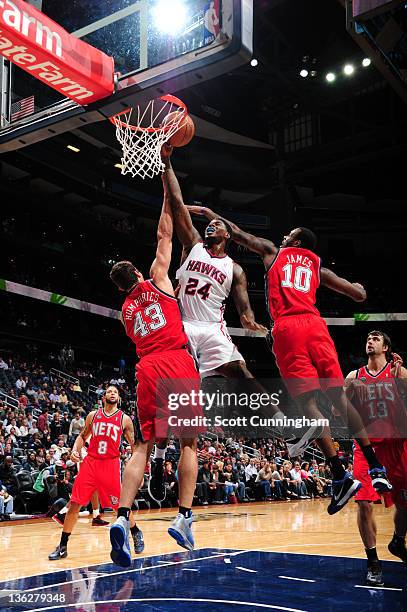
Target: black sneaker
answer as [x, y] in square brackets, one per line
[374, 575]
[343, 491]
[156, 486]
[380, 481]
[138, 541]
[59, 553]
[98, 522]
[59, 518]
[398, 549]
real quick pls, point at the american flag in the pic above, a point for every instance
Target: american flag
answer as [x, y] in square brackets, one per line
[22, 108]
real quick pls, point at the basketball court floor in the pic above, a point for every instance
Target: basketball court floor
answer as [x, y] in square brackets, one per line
[276, 556]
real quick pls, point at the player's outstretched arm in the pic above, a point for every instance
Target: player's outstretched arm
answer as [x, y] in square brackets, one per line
[128, 431]
[263, 247]
[242, 301]
[186, 232]
[353, 290]
[82, 437]
[161, 264]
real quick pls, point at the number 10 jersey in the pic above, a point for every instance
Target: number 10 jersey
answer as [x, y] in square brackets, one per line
[152, 320]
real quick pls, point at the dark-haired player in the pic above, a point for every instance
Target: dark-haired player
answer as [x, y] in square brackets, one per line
[304, 350]
[152, 320]
[100, 470]
[374, 392]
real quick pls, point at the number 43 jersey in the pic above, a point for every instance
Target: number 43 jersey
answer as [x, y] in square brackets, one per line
[292, 282]
[152, 319]
[205, 282]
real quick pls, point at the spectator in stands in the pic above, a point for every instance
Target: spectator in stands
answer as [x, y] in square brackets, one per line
[216, 486]
[288, 482]
[8, 473]
[100, 390]
[76, 426]
[56, 427]
[34, 442]
[63, 398]
[12, 425]
[66, 423]
[3, 364]
[307, 478]
[203, 481]
[23, 401]
[296, 476]
[6, 500]
[171, 483]
[30, 465]
[42, 422]
[251, 472]
[264, 479]
[20, 383]
[277, 491]
[54, 396]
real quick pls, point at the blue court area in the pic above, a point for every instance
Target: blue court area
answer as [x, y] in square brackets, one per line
[213, 580]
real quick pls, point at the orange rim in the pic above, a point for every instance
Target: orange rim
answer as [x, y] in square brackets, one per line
[115, 119]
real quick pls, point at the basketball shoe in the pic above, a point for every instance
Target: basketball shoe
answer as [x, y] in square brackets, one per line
[181, 531]
[397, 547]
[59, 553]
[156, 486]
[119, 539]
[99, 522]
[59, 518]
[342, 491]
[138, 541]
[380, 481]
[374, 575]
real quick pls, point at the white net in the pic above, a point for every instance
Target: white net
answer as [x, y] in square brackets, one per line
[142, 134]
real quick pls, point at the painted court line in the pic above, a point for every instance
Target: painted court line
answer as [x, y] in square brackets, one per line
[128, 571]
[299, 579]
[177, 599]
[246, 569]
[365, 586]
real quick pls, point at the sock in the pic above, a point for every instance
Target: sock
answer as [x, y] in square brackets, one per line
[371, 554]
[124, 512]
[159, 453]
[370, 456]
[134, 529]
[96, 513]
[64, 510]
[338, 470]
[64, 538]
[185, 511]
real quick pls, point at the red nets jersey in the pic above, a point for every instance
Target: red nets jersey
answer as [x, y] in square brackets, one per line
[377, 402]
[106, 435]
[291, 283]
[153, 320]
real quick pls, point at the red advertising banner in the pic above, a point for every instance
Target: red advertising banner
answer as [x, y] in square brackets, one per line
[35, 43]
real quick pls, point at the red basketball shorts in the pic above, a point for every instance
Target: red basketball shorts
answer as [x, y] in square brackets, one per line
[101, 475]
[162, 379]
[305, 354]
[393, 455]
[361, 473]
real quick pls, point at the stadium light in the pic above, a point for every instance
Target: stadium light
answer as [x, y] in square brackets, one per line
[72, 148]
[170, 17]
[304, 73]
[330, 77]
[366, 62]
[120, 166]
[348, 69]
[254, 62]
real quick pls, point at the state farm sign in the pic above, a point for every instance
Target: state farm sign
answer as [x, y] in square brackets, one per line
[31, 40]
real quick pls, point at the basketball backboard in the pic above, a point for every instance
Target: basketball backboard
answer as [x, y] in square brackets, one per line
[158, 46]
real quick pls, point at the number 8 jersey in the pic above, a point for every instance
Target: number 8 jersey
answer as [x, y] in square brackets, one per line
[152, 319]
[292, 282]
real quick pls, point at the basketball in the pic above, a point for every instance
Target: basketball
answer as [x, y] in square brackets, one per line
[185, 132]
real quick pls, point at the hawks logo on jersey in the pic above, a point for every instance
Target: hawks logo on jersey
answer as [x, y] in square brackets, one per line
[377, 402]
[291, 283]
[205, 282]
[106, 435]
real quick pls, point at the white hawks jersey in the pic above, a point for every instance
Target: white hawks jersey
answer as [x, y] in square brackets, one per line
[205, 283]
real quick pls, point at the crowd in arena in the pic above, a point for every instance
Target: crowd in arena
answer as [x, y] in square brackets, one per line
[43, 411]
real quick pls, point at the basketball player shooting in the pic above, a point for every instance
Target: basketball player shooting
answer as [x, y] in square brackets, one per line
[374, 390]
[152, 320]
[100, 470]
[304, 350]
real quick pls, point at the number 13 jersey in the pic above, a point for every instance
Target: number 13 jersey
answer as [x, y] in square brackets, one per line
[292, 282]
[205, 282]
[152, 320]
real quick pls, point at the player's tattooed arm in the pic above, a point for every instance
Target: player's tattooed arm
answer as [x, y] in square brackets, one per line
[161, 264]
[263, 247]
[355, 291]
[187, 234]
[82, 437]
[128, 431]
[242, 301]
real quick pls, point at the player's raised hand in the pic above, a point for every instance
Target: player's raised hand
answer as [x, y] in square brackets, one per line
[397, 360]
[362, 291]
[201, 211]
[253, 325]
[75, 457]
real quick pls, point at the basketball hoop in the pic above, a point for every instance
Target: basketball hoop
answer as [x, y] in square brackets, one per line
[142, 133]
